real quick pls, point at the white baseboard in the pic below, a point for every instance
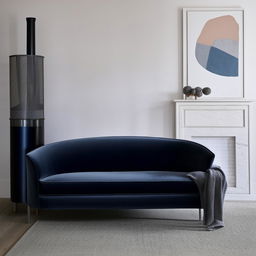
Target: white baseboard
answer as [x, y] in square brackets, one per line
[240, 197]
[4, 188]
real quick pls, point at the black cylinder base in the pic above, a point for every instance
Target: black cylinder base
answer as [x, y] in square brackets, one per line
[26, 135]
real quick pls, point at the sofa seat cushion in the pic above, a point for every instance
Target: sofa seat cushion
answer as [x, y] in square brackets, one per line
[117, 182]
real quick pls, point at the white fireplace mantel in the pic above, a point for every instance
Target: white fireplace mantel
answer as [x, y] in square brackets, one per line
[226, 128]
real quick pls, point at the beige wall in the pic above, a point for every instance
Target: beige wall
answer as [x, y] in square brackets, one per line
[112, 67]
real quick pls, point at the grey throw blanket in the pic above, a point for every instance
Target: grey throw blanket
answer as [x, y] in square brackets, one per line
[212, 186]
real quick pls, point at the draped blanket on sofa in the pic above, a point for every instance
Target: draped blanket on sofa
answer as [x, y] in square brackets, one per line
[212, 186]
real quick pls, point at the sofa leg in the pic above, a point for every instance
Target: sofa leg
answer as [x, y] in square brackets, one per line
[29, 214]
[200, 214]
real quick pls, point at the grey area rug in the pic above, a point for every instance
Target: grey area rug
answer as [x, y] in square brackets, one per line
[138, 233]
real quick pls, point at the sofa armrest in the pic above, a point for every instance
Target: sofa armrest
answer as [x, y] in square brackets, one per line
[32, 184]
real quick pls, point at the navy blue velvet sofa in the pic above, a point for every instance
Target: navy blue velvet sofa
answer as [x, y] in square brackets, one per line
[115, 172]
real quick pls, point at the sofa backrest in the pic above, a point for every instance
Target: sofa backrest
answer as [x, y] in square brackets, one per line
[123, 153]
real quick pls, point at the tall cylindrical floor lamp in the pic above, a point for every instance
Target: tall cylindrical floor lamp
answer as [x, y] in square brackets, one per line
[26, 111]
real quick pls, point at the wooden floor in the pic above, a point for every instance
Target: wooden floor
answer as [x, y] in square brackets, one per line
[12, 225]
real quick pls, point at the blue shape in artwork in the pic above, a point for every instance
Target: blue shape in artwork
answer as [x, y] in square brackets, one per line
[222, 63]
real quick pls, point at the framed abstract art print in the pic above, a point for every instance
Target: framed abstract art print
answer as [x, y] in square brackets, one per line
[213, 50]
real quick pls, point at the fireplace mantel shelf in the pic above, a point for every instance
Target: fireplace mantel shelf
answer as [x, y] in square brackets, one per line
[205, 100]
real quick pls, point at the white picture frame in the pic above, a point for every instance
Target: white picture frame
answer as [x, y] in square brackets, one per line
[227, 86]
